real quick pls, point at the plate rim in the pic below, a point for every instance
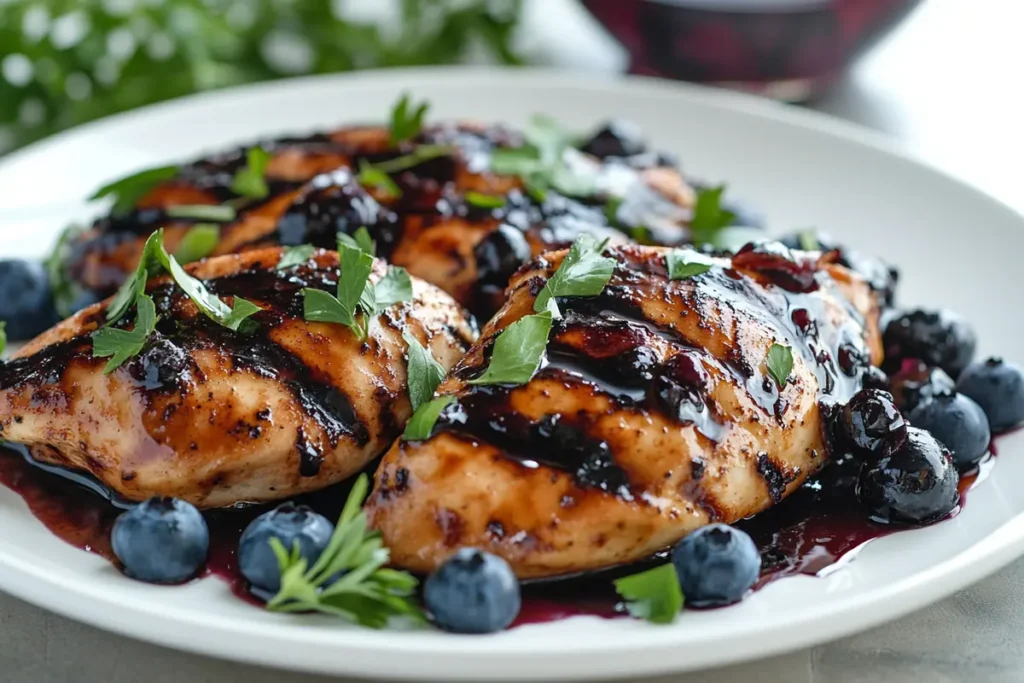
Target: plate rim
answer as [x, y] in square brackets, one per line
[42, 586]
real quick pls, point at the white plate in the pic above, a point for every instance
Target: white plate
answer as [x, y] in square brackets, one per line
[956, 247]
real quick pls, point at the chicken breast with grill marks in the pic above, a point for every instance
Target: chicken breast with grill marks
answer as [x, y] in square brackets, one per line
[217, 417]
[434, 226]
[653, 413]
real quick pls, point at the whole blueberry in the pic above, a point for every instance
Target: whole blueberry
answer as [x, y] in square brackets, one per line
[941, 338]
[617, 138]
[959, 423]
[163, 540]
[875, 378]
[499, 254]
[289, 523]
[717, 565]
[915, 484]
[872, 422]
[473, 592]
[917, 383]
[998, 387]
[26, 301]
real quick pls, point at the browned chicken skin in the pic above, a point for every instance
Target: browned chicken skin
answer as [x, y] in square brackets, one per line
[652, 414]
[217, 417]
[431, 229]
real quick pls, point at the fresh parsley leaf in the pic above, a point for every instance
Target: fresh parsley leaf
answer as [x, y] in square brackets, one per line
[808, 240]
[359, 240]
[65, 290]
[220, 213]
[708, 215]
[210, 305]
[250, 180]
[149, 265]
[127, 191]
[548, 137]
[3, 336]
[350, 579]
[734, 237]
[371, 176]
[407, 121]
[415, 158]
[198, 243]
[353, 281]
[583, 272]
[541, 163]
[520, 161]
[394, 288]
[780, 363]
[611, 210]
[424, 373]
[518, 351]
[120, 345]
[295, 256]
[421, 424]
[238, 318]
[684, 263]
[653, 595]
[484, 201]
[323, 307]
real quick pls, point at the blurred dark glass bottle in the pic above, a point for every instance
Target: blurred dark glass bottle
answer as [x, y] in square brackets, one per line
[787, 49]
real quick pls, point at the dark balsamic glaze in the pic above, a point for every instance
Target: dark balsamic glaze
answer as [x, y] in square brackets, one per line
[811, 532]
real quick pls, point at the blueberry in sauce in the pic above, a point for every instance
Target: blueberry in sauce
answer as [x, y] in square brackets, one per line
[290, 524]
[914, 484]
[875, 378]
[998, 387]
[959, 423]
[499, 254]
[163, 540]
[717, 565]
[872, 422]
[473, 592]
[618, 138]
[940, 338]
[916, 383]
[26, 301]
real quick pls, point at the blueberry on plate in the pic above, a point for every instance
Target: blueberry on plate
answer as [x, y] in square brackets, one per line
[959, 423]
[872, 422]
[998, 387]
[617, 138]
[499, 254]
[941, 338]
[163, 540]
[473, 592]
[289, 523]
[915, 484]
[26, 301]
[916, 383]
[717, 565]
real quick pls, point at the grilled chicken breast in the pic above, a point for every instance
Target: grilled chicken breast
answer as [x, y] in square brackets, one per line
[434, 228]
[217, 417]
[653, 413]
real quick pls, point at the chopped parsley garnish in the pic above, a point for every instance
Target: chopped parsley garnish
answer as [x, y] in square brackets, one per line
[120, 345]
[518, 351]
[250, 181]
[708, 215]
[808, 240]
[218, 213]
[360, 240]
[127, 191]
[406, 119]
[684, 263]
[780, 363]
[653, 595]
[3, 336]
[484, 201]
[295, 256]
[394, 288]
[583, 272]
[414, 158]
[350, 579]
[424, 373]
[371, 176]
[198, 243]
[421, 425]
[541, 163]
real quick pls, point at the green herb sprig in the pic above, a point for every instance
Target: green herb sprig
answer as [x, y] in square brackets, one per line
[780, 363]
[686, 263]
[217, 213]
[421, 424]
[583, 272]
[407, 119]
[708, 215]
[250, 180]
[350, 579]
[653, 595]
[127, 191]
[541, 163]
[360, 239]
[3, 337]
[120, 345]
[518, 351]
[424, 373]
[198, 243]
[295, 256]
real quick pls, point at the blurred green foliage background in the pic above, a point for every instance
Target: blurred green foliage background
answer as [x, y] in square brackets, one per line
[64, 62]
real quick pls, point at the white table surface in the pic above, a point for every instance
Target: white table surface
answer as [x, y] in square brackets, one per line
[946, 85]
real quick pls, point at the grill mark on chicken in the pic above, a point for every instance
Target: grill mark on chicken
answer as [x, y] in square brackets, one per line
[218, 417]
[653, 413]
[431, 228]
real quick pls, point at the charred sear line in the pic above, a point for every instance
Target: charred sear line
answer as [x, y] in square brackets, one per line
[773, 476]
[484, 413]
[45, 367]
